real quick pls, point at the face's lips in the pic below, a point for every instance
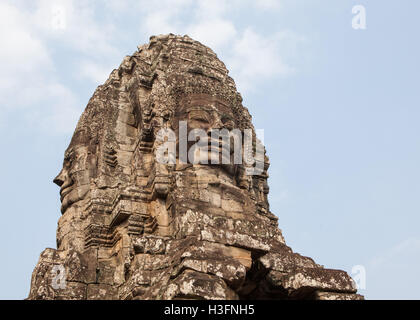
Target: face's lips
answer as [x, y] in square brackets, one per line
[64, 192]
[66, 189]
[219, 146]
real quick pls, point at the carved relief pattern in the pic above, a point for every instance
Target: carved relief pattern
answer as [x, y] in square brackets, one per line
[133, 228]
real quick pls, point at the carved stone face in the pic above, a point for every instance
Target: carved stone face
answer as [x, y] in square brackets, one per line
[74, 178]
[207, 113]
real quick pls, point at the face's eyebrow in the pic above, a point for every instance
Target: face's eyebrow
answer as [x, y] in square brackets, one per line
[199, 108]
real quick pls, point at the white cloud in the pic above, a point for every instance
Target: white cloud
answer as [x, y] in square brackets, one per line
[409, 248]
[395, 270]
[30, 78]
[251, 56]
[31, 34]
[202, 20]
[211, 9]
[213, 33]
[61, 112]
[24, 60]
[256, 57]
[163, 16]
[75, 24]
[22, 53]
[268, 4]
[97, 73]
[157, 23]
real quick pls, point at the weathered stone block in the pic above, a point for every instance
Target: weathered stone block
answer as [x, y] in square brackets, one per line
[134, 227]
[101, 292]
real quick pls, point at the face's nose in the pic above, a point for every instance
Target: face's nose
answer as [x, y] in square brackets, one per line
[59, 180]
[218, 124]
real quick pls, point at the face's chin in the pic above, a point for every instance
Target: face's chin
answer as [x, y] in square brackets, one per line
[66, 202]
[221, 157]
[72, 197]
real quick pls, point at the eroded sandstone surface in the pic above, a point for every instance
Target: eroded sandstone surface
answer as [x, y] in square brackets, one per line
[135, 228]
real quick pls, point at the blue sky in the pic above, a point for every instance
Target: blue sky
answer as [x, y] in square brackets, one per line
[339, 107]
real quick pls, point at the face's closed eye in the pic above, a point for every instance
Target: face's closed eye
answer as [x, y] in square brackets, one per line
[228, 122]
[199, 116]
[199, 119]
[68, 160]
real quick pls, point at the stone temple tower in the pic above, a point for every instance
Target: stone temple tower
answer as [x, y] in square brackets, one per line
[133, 227]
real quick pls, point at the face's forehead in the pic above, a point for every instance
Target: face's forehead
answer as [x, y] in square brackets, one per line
[78, 146]
[204, 102]
[80, 137]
